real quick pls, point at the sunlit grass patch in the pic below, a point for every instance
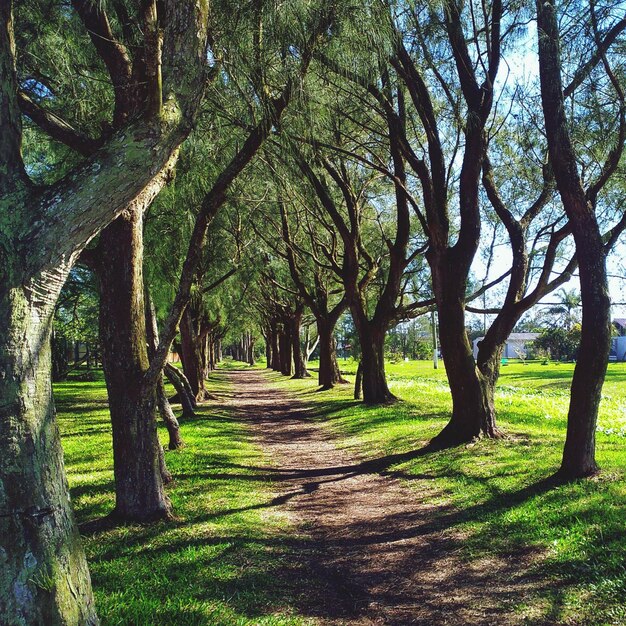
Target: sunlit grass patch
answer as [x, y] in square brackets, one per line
[572, 536]
[220, 561]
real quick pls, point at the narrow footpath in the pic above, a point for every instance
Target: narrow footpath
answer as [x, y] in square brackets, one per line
[385, 554]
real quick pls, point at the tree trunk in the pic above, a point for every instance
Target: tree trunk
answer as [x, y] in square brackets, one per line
[372, 339]
[268, 349]
[276, 360]
[165, 409]
[579, 452]
[285, 351]
[139, 489]
[294, 330]
[191, 356]
[473, 413]
[251, 359]
[184, 394]
[595, 340]
[43, 577]
[328, 374]
[358, 382]
[169, 418]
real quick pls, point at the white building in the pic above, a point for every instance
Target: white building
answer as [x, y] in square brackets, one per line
[515, 345]
[618, 349]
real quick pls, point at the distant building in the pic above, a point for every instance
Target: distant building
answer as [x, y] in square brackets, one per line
[514, 347]
[620, 326]
[618, 349]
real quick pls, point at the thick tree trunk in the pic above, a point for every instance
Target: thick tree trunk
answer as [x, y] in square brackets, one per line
[298, 360]
[191, 356]
[43, 577]
[139, 489]
[276, 359]
[184, 395]
[372, 340]
[328, 374]
[473, 413]
[579, 452]
[285, 351]
[595, 340]
[375, 389]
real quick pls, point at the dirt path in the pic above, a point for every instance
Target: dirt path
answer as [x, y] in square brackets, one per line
[384, 554]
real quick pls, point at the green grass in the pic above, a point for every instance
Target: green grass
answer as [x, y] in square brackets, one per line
[497, 494]
[218, 563]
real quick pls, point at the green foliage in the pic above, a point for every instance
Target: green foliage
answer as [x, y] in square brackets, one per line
[410, 340]
[558, 343]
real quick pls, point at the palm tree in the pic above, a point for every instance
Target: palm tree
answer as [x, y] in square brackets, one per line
[567, 307]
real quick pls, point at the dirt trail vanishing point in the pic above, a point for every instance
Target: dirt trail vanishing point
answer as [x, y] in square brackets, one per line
[375, 551]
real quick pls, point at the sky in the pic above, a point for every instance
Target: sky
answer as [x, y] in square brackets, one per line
[522, 67]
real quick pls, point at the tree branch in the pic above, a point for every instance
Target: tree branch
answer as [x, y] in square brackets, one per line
[58, 128]
[12, 171]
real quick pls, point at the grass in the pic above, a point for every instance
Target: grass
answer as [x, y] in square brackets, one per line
[218, 564]
[498, 494]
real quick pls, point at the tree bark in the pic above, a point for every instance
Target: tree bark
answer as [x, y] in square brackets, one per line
[294, 328]
[328, 374]
[165, 409]
[358, 382]
[268, 348]
[473, 413]
[285, 350]
[184, 394]
[579, 451]
[276, 358]
[44, 577]
[191, 354]
[169, 418]
[251, 359]
[372, 340]
[139, 492]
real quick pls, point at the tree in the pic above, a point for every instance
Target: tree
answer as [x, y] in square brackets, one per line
[580, 206]
[317, 292]
[567, 307]
[42, 232]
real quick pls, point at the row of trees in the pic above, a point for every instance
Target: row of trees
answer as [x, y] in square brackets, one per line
[369, 196]
[400, 140]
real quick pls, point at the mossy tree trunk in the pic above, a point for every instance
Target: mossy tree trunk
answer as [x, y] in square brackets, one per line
[43, 576]
[139, 489]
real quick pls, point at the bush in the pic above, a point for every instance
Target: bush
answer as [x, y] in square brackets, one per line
[558, 343]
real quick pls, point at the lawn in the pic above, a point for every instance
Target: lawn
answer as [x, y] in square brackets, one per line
[499, 491]
[219, 562]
